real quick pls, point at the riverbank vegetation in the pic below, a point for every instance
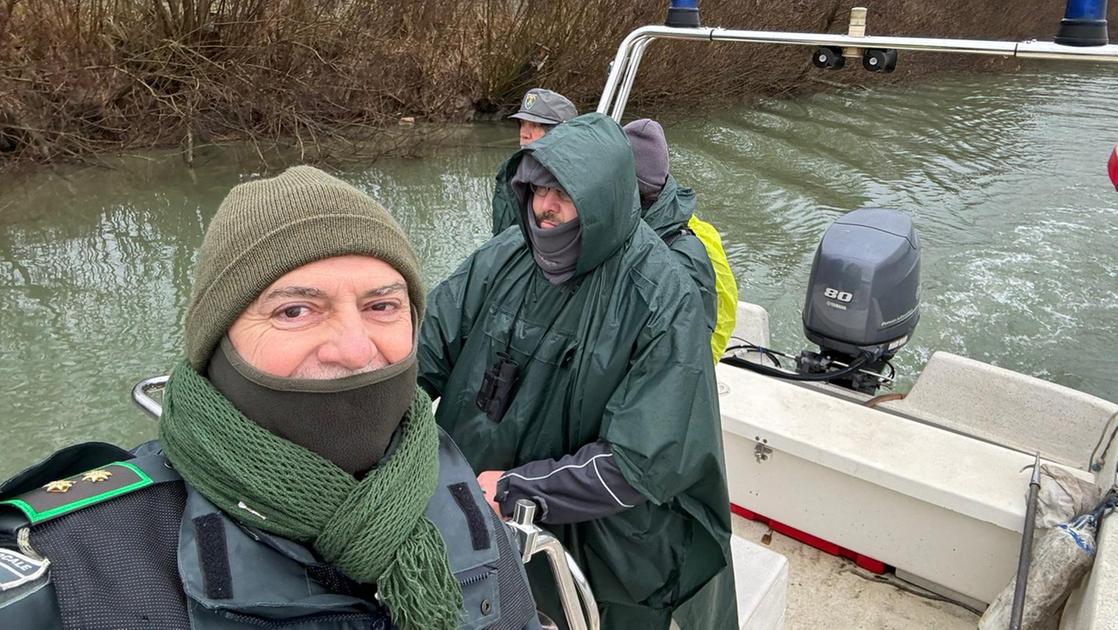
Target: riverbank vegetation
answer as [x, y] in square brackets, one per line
[79, 78]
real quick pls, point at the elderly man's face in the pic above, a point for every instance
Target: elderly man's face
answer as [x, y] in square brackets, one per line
[552, 206]
[329, 319]
[530, 132]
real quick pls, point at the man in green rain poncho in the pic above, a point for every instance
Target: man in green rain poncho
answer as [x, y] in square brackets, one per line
[573, 365]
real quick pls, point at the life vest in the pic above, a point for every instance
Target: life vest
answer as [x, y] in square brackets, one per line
[724, 284]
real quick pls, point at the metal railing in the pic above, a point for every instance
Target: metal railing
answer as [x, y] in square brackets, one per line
[141, 395]
[623, 70]
[579, 606]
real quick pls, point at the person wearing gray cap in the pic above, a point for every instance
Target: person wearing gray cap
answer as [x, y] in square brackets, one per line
[540, 110]
[669, 209]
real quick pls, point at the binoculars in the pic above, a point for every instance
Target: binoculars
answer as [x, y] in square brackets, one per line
[495, 393]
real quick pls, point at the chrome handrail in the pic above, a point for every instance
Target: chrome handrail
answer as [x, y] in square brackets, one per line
[590, 605]
[631, 74]
[575, 595]
[623, 70]
[141, 395]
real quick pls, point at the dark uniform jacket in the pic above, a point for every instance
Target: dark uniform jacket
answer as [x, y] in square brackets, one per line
[142, 550]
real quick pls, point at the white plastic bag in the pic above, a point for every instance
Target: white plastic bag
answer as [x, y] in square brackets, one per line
[1060, 560]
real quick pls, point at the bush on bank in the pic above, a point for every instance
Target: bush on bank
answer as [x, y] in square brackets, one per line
[82, 77]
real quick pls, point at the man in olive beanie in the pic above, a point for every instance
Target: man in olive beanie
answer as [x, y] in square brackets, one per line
[268, 227]
[299, 476]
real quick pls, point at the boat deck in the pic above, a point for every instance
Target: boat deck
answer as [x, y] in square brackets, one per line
[825, 591]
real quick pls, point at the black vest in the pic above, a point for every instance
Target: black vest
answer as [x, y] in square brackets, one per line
[141, 550]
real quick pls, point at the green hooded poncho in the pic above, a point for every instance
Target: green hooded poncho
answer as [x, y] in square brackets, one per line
[621, 353]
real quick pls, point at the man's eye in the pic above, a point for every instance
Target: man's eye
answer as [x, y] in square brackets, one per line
[384, 307]
[293, 312]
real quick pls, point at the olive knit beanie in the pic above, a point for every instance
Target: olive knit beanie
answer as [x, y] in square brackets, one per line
[266, 228]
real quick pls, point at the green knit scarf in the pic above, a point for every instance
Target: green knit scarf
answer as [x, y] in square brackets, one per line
[373, 530]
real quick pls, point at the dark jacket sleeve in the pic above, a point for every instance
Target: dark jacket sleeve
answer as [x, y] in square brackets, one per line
[580, 487]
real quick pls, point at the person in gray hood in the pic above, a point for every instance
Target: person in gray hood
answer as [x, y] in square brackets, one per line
[590, 390]
[552, 228]
[300, 479]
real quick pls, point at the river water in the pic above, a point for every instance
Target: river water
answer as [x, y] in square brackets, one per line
[1004, 176]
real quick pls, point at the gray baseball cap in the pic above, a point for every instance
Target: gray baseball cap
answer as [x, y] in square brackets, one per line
[545, 107]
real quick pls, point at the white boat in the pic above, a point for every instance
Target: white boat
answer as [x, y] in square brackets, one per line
[932, 485]
[921, 499]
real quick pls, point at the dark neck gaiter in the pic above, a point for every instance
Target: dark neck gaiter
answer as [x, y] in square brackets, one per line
[555, 250]
[348, 421]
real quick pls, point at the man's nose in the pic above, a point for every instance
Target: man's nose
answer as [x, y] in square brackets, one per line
[550, 201]
[351, 346]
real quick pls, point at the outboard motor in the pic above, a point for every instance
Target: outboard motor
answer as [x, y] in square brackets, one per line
[863, 302]
[863, 297]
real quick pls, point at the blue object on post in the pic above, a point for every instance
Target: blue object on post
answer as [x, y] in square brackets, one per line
[683, 14]
[1084, 24]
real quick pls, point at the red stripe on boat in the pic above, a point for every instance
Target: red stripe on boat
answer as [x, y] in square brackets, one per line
[867, 563]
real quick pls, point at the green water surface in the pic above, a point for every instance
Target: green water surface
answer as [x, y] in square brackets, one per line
[1004, 176]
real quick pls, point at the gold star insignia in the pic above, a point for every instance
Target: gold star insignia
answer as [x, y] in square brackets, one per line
[59, 486]
[94, 476]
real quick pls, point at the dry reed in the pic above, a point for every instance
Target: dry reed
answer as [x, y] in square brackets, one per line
[82, 77]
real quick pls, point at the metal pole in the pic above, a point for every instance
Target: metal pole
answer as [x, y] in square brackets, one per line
[623, 70]
[589, 604]
[630, 76]
[1050, 50]
[579, 605]
[621, 60]
[141, 393]
[617, 69]
[1026, 550]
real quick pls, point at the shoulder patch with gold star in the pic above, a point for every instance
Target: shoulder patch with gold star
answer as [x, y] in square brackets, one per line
[73, 493]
